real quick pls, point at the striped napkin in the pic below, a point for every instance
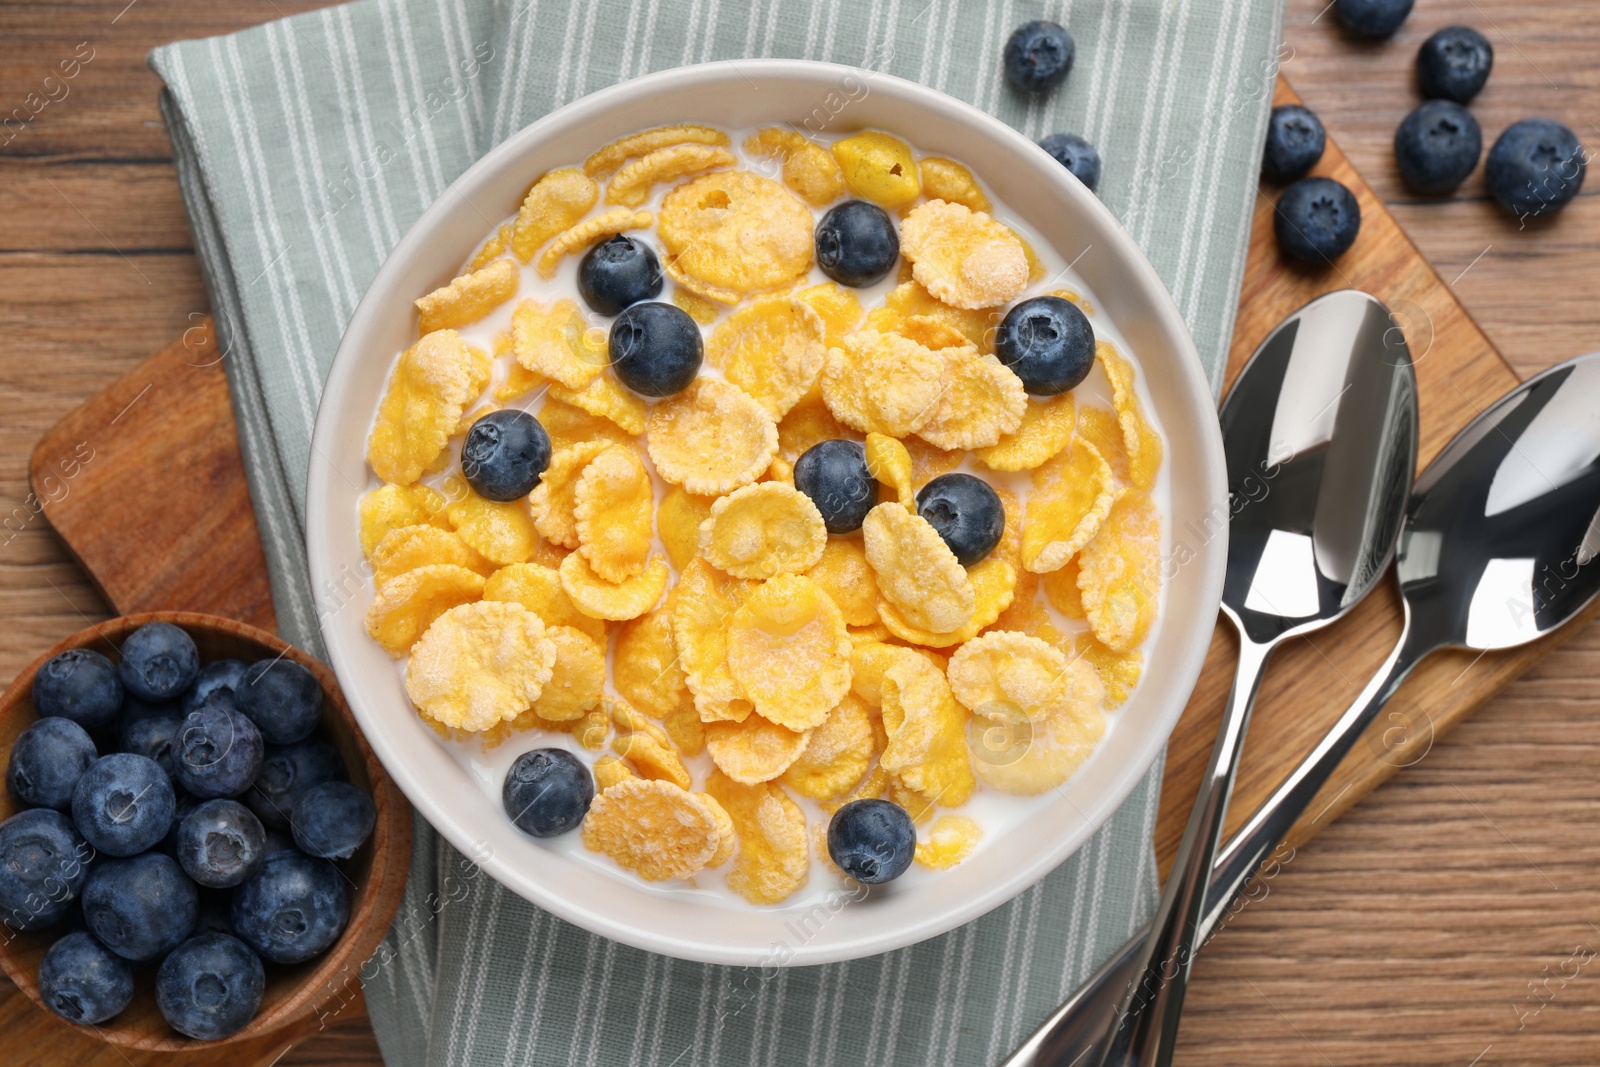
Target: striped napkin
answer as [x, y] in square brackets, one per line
[306, 147]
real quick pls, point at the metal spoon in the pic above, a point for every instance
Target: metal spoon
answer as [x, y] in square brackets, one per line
[1497, 550]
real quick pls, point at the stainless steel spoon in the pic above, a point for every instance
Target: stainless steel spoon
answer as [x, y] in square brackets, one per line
[1498, 549]
[1320, 434]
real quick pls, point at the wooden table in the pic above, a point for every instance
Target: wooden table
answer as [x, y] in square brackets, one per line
[1439, 922]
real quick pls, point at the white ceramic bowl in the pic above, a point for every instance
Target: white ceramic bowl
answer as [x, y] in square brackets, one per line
[1068, 216]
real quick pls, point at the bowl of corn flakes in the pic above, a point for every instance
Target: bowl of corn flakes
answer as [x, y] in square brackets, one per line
[772, 513]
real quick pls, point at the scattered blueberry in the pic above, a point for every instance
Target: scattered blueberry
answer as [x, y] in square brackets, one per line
[215, 684]
[834, 475]
[966, 512]
[210, 986]
[288, 770]
[1372, 18]
[79, 684]
[219, 753]
[1038, 56]
[1048, 343]
[1317, 220]
[655, 348]
[1077, 155]
[1295, 141]
[856, 243]
[1436, 146]
[43, 865]
[332, 820]
[1454, 64]
[84, 982]
[292, 908]
[142, 907]
[282, 698]
[872, 841]
[546, 792]
[123, 804]
[1536, 167]
[504, 455]
[220, 843]
[618, 272]
[159, 661]
[155, 737]
[46, 760]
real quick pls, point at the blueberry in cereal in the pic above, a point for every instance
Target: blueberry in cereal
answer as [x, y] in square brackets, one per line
[1048, 343]
[966, 512]
[834, 475]
[656, 349]
[856, 243]
[872, 841]
[547, 792]
[618, 272]
[504, 454]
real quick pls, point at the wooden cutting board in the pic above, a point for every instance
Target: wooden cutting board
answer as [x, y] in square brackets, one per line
[161, 518]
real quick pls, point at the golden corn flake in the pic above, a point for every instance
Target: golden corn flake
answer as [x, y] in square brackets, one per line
[754, 750]
[868, 661]
[838, 306]
[653, 828]
[729, 834]
[538, 588]
[1118, 671]
[616, 601]
[678, 519]
[837, 754]
[407, 604]
[890, 463]
[927, 744]
[844, 574]
[1032, 758]
[610, 771]
[577, 678]
[951, 839]
[763, 529]
[694, 305]
[652, 758]
[550, 343]
[555, 203]
[464, 425]
[879, 168]
[808, 168]
[1072, 494]
[861, 634]
[644, 664]
[789, 652]
[809, 424]
[711, 438]
[1119, 572]
[602, 163]
[733, 233]
[502, 531]
[1139, 439]
[632, 184]
[1023, 601]
[628, 720]
[945, 179]
[684, 727]
[390, 507]
[780, 471]
[773, 349]
[568, 426]
[589, 730]
[554, 501]
[1100, 428]
[431, 386]
[519, 381]
[613, 503]
[916, 570]
[496, 246]
[909, 300]
[587, 232]
[1046, 428]
[480, 664]
[702, 605]
[982, 401]
[994, 584]
[883, 383]
[929, 332]
[606, 397]
[409, 547]
[1010, 676]
[962, 257]
[468, 298]
[774, 857]
[1061, 590]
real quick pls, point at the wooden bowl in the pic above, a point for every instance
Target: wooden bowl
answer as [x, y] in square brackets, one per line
[377, 871]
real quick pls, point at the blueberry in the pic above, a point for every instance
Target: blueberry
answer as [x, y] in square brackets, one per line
[142, 907]
[834, 475]
[1295, 141]
[546, 792]
[856, 243]
[46, 761]
[43, 865]
[84, 982]
[1077, 155]
[872, 841]
[79, 684]
[655, 348]
[210, 986]
[282, 698]
[186, 803]
[215, 684]
[159, 661]
[293, 908]
[504, 455]
[219, 753]
[966, 512]
[1436, 146]
[1038, 56]
[220, 843]
[155, 737]
[332, 820]
[618, 272]
[1048, 343]
[1454, 64]
[1536, 167]
[288, 770]
[1317, 220]
[123, 804]
[1371, 18]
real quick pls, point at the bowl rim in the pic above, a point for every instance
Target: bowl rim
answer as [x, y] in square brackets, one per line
[1209, 560]
[371, 913]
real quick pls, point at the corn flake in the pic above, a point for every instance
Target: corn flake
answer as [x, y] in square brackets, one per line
[883, 383]
[909, 300]
[683, 725]
[519, 381]
[611, 770]
[431, 386]
[927, 747]
[1072, 494]
[553, 502]
[409, 603]
[808, 168]
[632, 184]
[981, 403]
[702, 604]
[605, 396]
[652, 757]
[390, 507]
[1139, 439]
[678, 519]
[890, 463]
[538, 588]
[1100, 428]
[1119, 572]
[774, 857]
[837, 754]
[1061, 590]
[945, 179]
[838, 306]
[549, 342]
[653, 828]
[577, 678]
[1118, 671]
[754, 750]
[807, 425]
[409, 547]
[711, 438]
[951, 839]
[495, 247]
[694, 305]
[587, 232]
[773, 349]
[555, 203]
[763, 529]
[480, 664]
[1010, 676]
[502, 532]
[962, 257]
[605, 161]
[916, 570]
[844, 574]
[468, 298]
[613, 505]
[879, 168]
[789, 652]
[733, 233]
[1031, 758]
[1047, 427]
[616, 601]
[644, 664]
[994, 584]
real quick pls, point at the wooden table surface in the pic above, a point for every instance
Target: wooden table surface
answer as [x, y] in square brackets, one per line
[1451, 919]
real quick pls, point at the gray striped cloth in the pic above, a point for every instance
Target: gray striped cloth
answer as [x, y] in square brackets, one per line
[306, 147]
